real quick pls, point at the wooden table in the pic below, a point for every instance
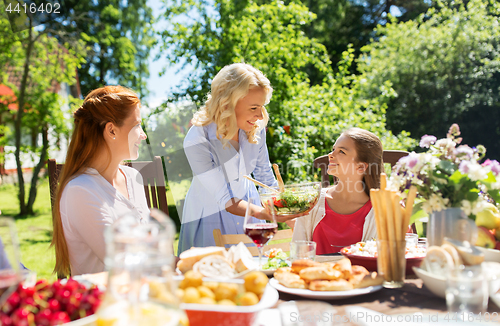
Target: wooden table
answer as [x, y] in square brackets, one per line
[409, 299]
[413, 297]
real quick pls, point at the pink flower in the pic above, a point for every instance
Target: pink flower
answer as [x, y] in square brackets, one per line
[427, 140]
[494, 166]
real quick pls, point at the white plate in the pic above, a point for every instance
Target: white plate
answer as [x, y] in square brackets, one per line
[490, 254]
[434, 283]
[268, 300]
[268, 272]
[324, 294]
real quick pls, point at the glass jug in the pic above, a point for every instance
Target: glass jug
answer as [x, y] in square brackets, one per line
[140, 261]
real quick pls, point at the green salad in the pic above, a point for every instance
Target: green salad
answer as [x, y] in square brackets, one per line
[277, 259]
[295, 202]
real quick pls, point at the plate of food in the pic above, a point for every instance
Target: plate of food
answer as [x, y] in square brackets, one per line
[276, 258]
[296, 199]
[331, 280]
[365, 254]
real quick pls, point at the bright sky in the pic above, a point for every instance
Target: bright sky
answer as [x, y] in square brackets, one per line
[159, 87]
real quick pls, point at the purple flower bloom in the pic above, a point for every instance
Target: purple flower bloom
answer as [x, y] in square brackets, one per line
[465, 150]
[464, 167]
[494, 165]
[427, 140]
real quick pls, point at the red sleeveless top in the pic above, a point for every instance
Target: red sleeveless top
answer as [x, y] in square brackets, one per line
[336, 231]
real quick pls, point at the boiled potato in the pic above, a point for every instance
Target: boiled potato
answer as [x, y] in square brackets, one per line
[248, 299]
[226, 302]
[226, 291]
[206, 300]
[206, 292]
[191, 279]
[256, 282]
[211, 285]
[191, 295]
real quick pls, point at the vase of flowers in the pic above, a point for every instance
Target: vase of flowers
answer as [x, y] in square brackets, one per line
[449, 175]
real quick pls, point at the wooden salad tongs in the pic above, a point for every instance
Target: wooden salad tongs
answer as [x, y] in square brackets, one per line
[274, 191]
[278, 176]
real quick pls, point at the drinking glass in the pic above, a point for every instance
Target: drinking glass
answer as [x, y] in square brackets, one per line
[302, 250]
[391, 262]
[260, 232]
[411, 239]
[467, 290]
[10, 271]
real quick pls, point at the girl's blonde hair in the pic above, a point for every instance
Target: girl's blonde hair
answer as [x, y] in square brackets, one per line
[106, 104]
[230, 85]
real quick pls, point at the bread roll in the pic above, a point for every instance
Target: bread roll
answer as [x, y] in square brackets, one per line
[337, 285]
[372, 279]
[189, 257]
[320, 273]
[290, 280]
[215, 266]
[300, 264]
[241, 257]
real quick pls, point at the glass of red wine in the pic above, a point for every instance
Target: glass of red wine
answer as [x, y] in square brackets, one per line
[10, 273]
[260, 231]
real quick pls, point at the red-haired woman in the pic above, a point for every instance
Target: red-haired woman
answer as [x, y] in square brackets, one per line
[94, 189]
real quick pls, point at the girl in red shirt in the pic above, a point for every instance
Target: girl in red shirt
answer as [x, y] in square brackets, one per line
[344, 213]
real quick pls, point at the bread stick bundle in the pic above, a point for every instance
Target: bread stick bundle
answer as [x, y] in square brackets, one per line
[392, 222]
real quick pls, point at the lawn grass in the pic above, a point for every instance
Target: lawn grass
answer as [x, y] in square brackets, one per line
[34, 232]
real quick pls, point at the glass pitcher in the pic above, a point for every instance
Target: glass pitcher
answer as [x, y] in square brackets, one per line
[140, 261]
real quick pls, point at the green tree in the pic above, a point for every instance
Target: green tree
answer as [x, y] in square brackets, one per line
[271, 37]
[39, 61]
[119, 36]
[343, 22]
[444, 68]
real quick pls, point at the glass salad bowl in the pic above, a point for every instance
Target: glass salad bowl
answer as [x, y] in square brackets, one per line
[296, 199]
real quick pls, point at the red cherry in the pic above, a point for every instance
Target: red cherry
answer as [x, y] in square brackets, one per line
[6, 320]
[11, 303]
[22, 317]
[43, 317]
[27, 292]
[59, 318]
[41, 285]
[54, 305]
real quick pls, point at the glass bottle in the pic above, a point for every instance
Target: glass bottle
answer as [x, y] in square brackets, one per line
[140, 260]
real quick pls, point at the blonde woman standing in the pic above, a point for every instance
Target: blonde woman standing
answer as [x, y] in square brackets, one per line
[226, 143]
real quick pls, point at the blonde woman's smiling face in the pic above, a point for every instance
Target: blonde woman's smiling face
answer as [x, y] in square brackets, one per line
[248, 110]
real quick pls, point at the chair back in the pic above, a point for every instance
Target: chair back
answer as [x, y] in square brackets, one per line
[221, 240]
[321, 162]
[54, 171]
[152, 174]
[154, 182]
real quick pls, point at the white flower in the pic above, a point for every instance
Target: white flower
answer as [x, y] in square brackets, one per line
[478, 206]
[476, 172]
[495, 185]
[435, 203]
[466, 207]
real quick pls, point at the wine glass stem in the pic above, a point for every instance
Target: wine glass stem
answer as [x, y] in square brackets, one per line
[260, 248]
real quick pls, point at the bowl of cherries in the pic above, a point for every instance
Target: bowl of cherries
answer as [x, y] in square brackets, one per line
[57, 303]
